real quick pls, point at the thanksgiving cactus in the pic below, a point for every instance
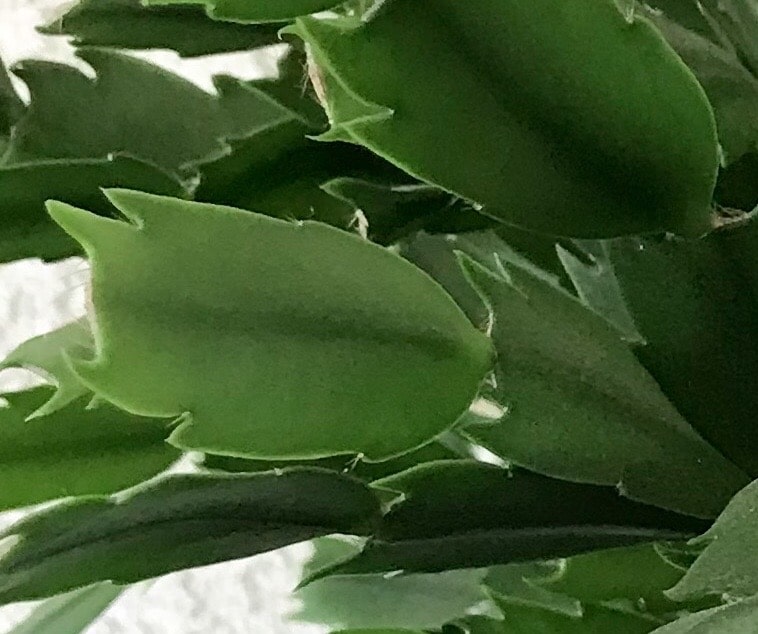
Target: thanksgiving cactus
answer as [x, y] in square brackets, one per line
[465, 296]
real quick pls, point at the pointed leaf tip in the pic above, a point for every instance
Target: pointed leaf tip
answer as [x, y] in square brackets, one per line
[85, 227]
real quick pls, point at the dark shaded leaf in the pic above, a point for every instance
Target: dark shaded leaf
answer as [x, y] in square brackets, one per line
[70, 613]
[272, 167]
[72, 116]
[256, 10]
[279, 361]
[695, 304]
[27, 229]
[580, 406]
[395, 211]
[685, 13]
[437, 256]
[460, 514]
[494, 114]
[179, 522]
[736, 21]
[11, 106]
[75, 450]
[131, 25]
[737, 187]
[731, 88]
[729, 564]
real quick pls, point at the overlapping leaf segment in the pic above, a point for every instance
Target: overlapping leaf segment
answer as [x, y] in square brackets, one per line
[472, 286]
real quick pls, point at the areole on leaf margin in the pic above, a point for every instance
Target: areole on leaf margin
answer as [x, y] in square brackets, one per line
[270, 339]
[534, 110]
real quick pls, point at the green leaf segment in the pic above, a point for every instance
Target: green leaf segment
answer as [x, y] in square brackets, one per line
[314, 336]
[541, 106]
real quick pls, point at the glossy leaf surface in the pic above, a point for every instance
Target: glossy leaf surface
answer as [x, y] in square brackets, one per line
[73, 116]
[694, 304]
[460, 514]
[179, 522]
[131, 25]
[729, 564]
[76, 450]
[581, 407]
[46, 356]
[480, 98]
[316, 343]
[70, 613]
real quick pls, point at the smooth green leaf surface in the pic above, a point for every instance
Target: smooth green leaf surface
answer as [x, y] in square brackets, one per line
[70, 613]
[735, 618]
[131, 25]
[27, 230]
[694, 303]
[531, 109]
[729, 564]
[256, 10]
[581, 407]
[72, 116]
[416, 601]
[289, 340]
[75, 450]
[181, 521]
[731, 88]
[46, 356]
[462, 514]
